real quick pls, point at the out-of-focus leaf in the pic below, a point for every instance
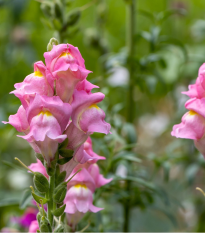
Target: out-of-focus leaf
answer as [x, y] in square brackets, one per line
[9, 202]
[126, 155]
[26, 199]
[47, 23]
[146, 14]
[14, 166]
[129, 132]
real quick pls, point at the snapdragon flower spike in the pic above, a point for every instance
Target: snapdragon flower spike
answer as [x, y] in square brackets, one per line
[37, 82]
[197, 90]
[86, 115]
[33, 227]
[67, 67]
[47, 117]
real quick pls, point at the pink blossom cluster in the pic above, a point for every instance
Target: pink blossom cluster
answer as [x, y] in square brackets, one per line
[80, 190]
[193, 122]
[57, 103]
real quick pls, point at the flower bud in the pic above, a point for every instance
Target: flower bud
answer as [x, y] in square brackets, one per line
[41, 182]
[58, 11]
[53, 41]
[59, 193]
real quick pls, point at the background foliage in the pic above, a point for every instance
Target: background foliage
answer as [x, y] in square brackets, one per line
[155, 175]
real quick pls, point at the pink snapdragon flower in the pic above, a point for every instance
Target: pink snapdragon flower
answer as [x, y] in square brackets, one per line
[37, 82]
[86, 115]
[79, 197]
[67, 67]
[47, 118]
[33, 227]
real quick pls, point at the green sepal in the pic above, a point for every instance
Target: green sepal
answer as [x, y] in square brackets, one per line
[51, 169]
[40, 157]
[63, 144]
[38, 217]
[45, 225]
[41, 182]
[60, 192]
[66, 153]
[38, 198]
[64, 160]
[38, 231]
[73, 17]
[60, 228]
[58, 212]
[60, 178]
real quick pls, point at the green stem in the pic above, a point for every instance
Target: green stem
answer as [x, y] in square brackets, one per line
[130, 99]
[51, 203]
[131, 63]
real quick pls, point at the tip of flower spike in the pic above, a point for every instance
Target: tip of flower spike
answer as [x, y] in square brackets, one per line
[53, 41]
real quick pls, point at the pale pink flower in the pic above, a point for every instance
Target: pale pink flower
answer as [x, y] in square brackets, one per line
[67, 67]
[47, 117]
[37, 82]
[86, 115]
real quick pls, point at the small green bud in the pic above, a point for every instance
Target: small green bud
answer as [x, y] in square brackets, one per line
[53, 41]
[73, 18]
[60, 178]
[41, 182]
[58, 212]
[60, 228]
[60, 192]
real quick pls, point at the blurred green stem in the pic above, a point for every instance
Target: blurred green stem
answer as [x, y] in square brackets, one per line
[130, 100]
[51, 204]
[131, 53]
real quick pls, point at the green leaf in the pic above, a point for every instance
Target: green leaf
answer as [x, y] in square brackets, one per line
[58, 212]
[63, 144]
[26, 199]
[37, 198]
[41, 183]
[9, 202]
[129, 132]
[66, 153]
[60, 178]
[40, 157]
[64, 160]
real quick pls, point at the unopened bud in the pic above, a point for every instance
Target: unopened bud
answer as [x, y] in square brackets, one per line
[53, 41]
[73, 17]
[46, 8]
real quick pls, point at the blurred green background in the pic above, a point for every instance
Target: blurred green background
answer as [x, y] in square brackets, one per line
[154, 174]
